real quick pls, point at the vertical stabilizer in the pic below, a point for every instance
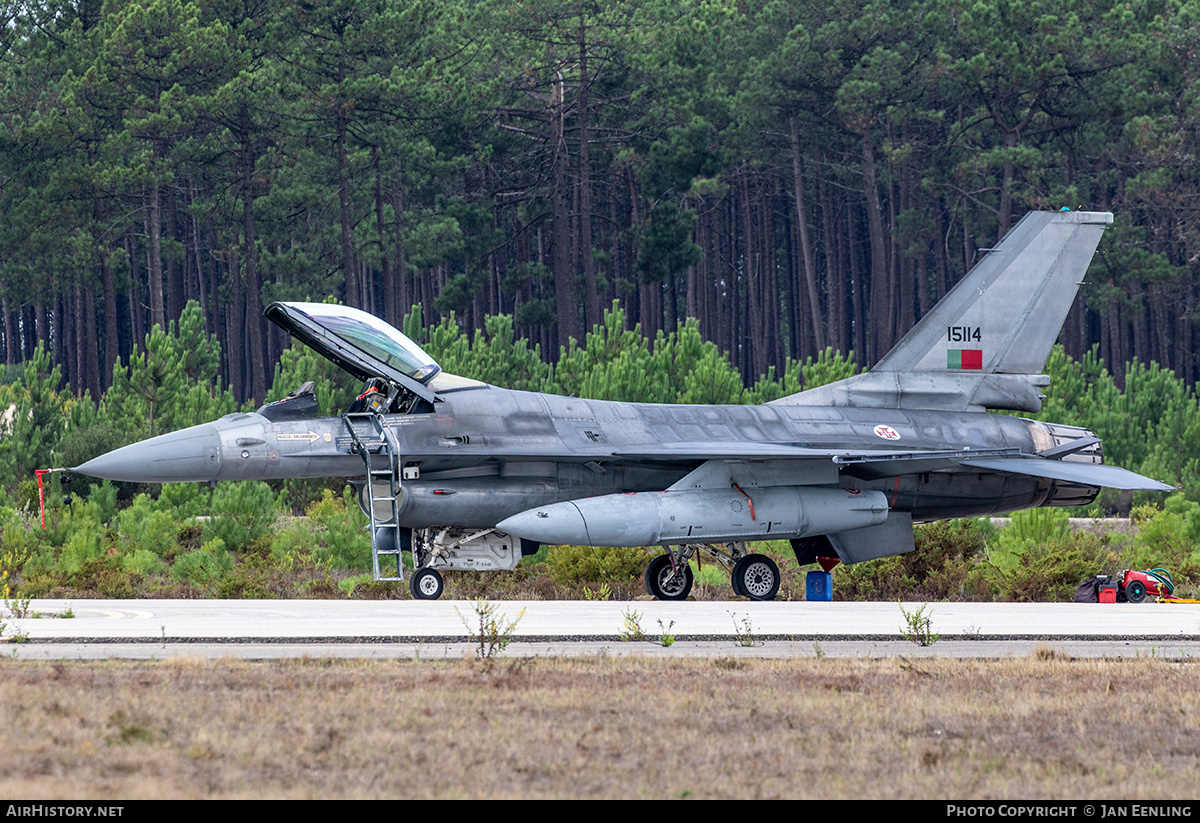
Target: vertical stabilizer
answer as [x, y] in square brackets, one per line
[985, 344]
[1003, 317]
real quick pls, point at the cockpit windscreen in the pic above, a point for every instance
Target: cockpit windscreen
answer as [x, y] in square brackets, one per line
[371, 336]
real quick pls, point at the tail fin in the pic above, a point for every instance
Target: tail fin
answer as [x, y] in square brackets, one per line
[985, 344]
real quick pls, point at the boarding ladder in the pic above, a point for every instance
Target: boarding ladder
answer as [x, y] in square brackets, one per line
[379, 449]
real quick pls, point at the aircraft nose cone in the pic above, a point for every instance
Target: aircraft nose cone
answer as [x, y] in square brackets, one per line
[184, 456]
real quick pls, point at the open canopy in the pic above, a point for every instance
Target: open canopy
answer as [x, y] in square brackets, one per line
[362, 345]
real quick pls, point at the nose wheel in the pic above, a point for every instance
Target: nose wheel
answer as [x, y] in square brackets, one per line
[426, 584]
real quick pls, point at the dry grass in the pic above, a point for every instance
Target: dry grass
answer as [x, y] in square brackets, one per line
[1040, 727]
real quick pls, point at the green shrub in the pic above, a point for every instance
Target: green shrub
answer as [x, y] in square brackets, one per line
[143, 562]
[184, 500]
[241, 513]
[348, 585]
[17, 535]
[342, 539]
[1033, 569]
[292, 542]
[104, 497]
[144, 526]
[574, 567]
[251, 579]
[1035, 524]
[85, 545]
[710, 574]
[937, 569]
[204, 567]
[109, 581]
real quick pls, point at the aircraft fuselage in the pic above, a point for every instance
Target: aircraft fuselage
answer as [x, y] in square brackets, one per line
[486, 453]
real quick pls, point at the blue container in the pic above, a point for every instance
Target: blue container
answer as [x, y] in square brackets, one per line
[818, 586]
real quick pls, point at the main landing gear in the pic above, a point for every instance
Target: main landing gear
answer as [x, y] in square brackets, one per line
[756, 576]
[669, 576]
[667, 579]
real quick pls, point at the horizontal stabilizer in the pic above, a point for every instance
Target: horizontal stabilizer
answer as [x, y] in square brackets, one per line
[893, 536]
[1085, 474]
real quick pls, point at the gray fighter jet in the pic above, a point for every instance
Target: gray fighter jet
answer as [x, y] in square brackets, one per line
[464, 475]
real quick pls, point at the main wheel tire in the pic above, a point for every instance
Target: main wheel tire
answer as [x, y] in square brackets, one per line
[663, 585]
[426, 584]
[1135, 590]
[756, 576]
[735, 580]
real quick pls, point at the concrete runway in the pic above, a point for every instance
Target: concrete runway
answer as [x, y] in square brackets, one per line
[261, 629]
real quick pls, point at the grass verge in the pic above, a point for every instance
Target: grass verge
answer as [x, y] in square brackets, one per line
[606, 727]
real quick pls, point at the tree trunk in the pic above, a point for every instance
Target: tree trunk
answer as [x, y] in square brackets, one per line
[404, 293]
[566, 310]
[882, 330]
[591, 298]
[806, 251]
[91, 351]
[154, 275]
[353, 298]
[256, 366]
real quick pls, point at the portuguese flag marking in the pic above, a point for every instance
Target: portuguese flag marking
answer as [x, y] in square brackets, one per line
[964, 359]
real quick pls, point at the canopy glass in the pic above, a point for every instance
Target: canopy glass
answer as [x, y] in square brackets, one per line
[361, 344]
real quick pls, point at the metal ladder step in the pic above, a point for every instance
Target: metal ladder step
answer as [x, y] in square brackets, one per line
[385, 536]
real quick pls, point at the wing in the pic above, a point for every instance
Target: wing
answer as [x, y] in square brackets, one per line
[770, 464]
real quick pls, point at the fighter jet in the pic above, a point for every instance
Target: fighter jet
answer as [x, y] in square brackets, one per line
[464, 475]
